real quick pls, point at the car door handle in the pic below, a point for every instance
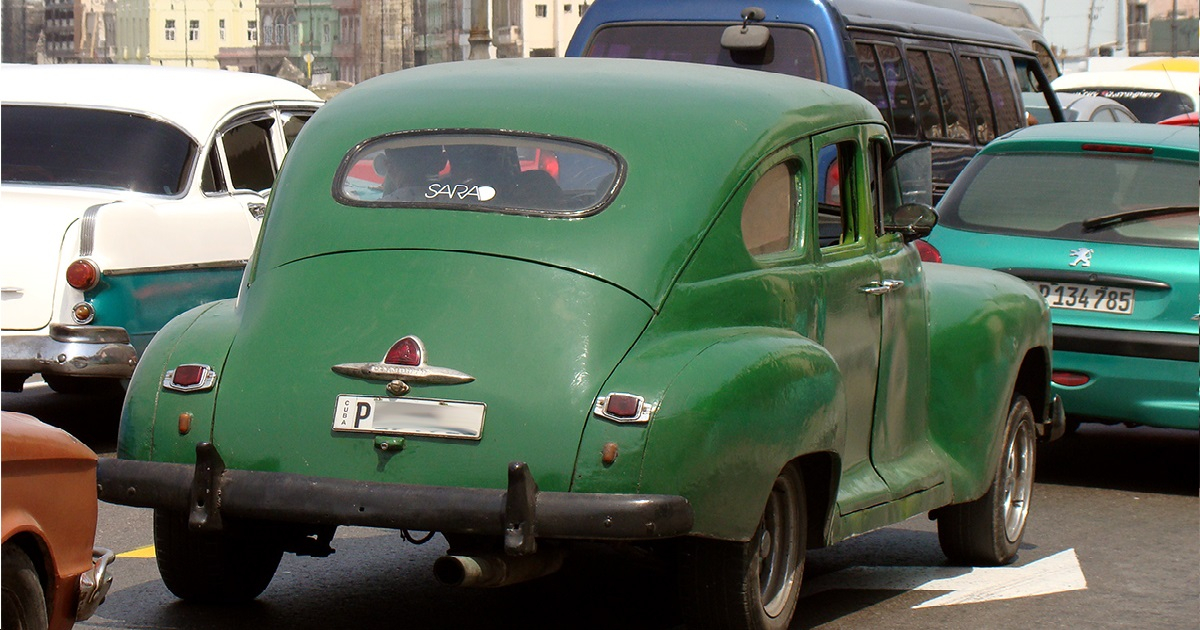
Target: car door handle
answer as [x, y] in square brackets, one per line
[880, 288]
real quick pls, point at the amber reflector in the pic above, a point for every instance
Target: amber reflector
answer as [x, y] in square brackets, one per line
[1070, 379]
[82, 274]
[404, 352]
[188, 375]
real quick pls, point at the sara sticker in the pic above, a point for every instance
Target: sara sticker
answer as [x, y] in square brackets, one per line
[460, 192]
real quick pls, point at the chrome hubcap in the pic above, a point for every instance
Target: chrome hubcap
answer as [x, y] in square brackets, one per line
[779, 542]
[1018, 480]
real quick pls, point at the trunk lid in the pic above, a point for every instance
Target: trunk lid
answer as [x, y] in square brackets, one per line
[538, 340]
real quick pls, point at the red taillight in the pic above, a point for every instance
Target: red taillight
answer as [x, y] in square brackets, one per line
[833, 188]
[83, 274]
[1116, 148]
[188, 375]
[407, 351]
[1070, 379]
[928, 252]
[624, 405]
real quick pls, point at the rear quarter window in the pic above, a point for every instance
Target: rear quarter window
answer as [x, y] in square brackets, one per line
[485, 172]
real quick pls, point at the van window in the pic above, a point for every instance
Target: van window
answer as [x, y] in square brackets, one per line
[927, 99]
[1003, 104]
[980, 101]
[951, 97]
[791, 50]
[904, 117]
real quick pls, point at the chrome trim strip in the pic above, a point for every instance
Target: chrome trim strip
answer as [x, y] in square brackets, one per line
[423, 374]
[219, 264]
[87, 230]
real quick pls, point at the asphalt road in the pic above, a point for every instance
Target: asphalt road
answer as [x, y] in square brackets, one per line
[1113, 541]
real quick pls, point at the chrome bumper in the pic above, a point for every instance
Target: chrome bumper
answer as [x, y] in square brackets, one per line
[94, 584]
[103, 351]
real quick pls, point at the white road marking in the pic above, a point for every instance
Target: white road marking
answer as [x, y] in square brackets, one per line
[1055, 574]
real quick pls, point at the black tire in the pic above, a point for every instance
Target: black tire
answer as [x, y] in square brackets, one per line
[24, 601]
[83, 386]
[988, 530]
[751, 585]
[227, 567]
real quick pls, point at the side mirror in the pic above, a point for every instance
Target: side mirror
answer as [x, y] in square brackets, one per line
[911, 220]
[911, 171]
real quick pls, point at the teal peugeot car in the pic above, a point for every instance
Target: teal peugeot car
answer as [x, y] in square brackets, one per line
[533, 303]
[1102, 219]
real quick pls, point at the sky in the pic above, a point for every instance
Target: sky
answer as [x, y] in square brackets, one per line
[1066, 21]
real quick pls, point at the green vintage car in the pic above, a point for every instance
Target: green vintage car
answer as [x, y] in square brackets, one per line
[527, 303]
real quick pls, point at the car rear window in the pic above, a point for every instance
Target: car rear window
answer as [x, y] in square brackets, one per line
[1049, 202]
[790, 50]
[1148, 105]
[68, 146]
[488, 172]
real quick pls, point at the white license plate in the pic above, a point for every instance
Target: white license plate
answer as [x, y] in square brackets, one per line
[1087, 297]
[409, 416]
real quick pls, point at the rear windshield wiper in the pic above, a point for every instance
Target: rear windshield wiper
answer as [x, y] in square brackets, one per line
[1109, 220]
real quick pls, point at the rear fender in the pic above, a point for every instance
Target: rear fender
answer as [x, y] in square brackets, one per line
[985, 328]
[740, 405]
[151, 424]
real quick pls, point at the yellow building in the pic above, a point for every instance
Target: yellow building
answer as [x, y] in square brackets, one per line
[182, 32]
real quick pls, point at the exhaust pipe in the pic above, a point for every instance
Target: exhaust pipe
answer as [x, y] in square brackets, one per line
[491, 571]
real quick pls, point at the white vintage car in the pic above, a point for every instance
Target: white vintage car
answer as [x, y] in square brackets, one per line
[130, 194]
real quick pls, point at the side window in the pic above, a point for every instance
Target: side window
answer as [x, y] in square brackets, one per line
[950, 91]
[212, 178]
[928, 108]
[980, 102]
[880, 152]
[895, 80]
[248, 153]
[292, 122]
[769, 213]
[1003, 102]
[836, 202]
[1122, 116]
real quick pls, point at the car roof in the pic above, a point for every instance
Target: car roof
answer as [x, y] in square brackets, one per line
[912, 17]
[195, 99]
[1168, 141]
[893, 15]
[689, 133]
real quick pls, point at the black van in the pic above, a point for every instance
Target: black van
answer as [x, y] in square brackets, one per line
[942, 76]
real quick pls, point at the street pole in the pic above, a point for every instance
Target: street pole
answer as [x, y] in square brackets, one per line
[1091, 20]
[480, 37]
